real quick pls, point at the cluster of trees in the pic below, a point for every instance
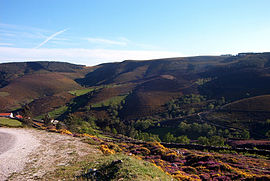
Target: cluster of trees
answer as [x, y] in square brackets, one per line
[190, 104]
[203, 140]
[175, 108]
[195, 130]
[212, 141]
[133, 129]
[205, 134]
[180, 139]
[139, 129]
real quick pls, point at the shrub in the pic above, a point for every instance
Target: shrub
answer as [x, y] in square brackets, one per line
[182, 139]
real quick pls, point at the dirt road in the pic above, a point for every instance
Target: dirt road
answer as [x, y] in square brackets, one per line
[30, 154]
[16, 144]
[6, 141]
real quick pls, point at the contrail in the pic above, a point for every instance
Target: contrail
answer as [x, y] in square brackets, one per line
[51, 37]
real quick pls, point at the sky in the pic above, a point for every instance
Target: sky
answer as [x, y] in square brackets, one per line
[91, 32]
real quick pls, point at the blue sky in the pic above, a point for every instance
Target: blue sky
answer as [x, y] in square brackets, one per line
[96, 31]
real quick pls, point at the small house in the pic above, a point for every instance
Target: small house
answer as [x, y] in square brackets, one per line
[7, 115]
[18, 117]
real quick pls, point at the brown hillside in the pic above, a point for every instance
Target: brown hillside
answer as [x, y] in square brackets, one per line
[148, 97]
[29, 87]
[106, 93]
[49, 103]
[258, 103]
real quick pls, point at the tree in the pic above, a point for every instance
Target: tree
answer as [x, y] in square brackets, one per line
[143, 124]
[203, 140]
[47, 120]
[182, 139]
[27, 115]
[245, 134]
[212, 131]
[132, 132]
[114, 131]
[169, 137]
[195, 127]
[183, 127]
[107, 129]
[217, 141]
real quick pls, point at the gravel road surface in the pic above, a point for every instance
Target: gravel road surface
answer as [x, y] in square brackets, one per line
[6, 141]
[31, 154]
[15, 145]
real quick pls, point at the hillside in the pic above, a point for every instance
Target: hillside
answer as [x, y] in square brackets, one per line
[175, 90]
[252, 104]
[232, 77]
[202, 107]
[22, 83]
[154, 96]
[59, 154]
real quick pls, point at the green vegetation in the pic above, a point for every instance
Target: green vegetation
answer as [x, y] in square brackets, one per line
[80, 92]
[180, 139]
[107, 168]
[189, 104]
[182, 106]
[122, 167]
[110, 102]
[80, 125]
[212, 141]
[55, 113]
[10, 122]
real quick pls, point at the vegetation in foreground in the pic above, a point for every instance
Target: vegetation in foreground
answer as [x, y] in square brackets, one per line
[10, 122]
[111, 167]
[151, 161]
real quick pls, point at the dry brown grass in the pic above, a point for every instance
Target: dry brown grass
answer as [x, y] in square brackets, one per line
[29, 87]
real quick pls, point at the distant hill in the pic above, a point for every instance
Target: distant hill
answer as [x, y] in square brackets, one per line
[202, 90]
[252, 104]
[23, 82]
[158, 81]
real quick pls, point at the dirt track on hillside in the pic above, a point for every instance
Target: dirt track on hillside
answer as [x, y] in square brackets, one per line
[36, 153]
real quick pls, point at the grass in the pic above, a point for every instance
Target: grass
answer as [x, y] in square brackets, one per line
[130, 169]
[55, 113]
[4, 94]
[81, 91]
[112, 101]
[10, 122]
[58, 112]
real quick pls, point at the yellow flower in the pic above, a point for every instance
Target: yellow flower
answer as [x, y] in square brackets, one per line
[105, 150]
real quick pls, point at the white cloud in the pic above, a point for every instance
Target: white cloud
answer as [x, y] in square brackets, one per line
[51, 37]
[21, 27]
[80, 56]
[5, 44]
[123, 41]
